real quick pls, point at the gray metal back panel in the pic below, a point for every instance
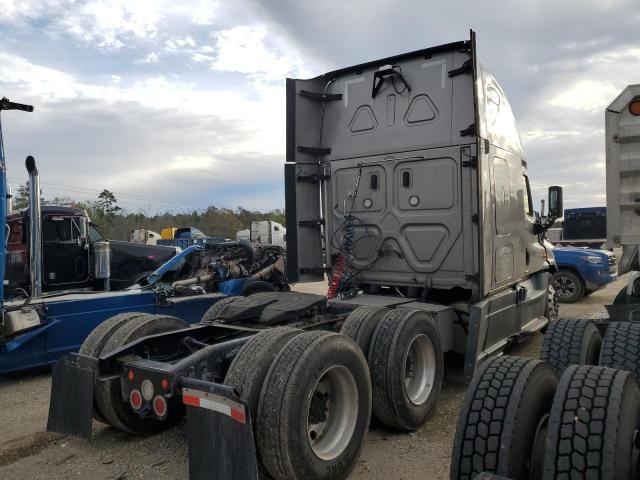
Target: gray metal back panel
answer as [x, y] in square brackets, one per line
[425, 207]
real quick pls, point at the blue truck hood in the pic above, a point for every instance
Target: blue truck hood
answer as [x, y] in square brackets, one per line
[576, 251]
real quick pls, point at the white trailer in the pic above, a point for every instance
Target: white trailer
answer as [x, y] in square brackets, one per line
[143, 235]
[265, 232]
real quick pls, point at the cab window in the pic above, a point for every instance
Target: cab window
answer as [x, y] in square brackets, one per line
[94, 233]
[60, 229]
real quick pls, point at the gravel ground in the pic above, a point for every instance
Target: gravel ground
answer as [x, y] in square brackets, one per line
[27, 452]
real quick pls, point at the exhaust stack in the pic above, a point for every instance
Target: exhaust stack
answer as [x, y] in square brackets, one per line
[35, 229]
[9, 199]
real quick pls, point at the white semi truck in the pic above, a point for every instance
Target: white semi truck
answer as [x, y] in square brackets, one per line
[409, 174]
[264, 232]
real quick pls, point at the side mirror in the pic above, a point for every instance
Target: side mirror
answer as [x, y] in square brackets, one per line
[556, 209]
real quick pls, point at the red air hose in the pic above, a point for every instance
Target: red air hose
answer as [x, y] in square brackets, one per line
[338, 272]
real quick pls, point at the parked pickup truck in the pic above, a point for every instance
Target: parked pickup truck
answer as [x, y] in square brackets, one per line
[582, 271]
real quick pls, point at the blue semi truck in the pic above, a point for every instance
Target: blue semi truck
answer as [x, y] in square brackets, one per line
[42, 326]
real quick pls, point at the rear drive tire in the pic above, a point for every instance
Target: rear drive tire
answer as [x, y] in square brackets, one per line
[251, 365]
[99, 336]
[621, 347]
[568, 285]
[407, 364]
[97, 339]
[570, 341]
[256, 286]
[593, 426]
[107, 393]
[216, 311]
[361, 323]
[622, 298]
[506, 405]
[314, 408]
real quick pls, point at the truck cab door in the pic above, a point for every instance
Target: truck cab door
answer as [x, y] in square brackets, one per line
[65, 256]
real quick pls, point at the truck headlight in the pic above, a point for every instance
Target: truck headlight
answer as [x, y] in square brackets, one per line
[593, 259]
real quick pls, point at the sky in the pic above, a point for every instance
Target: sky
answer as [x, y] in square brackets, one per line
[181, 105]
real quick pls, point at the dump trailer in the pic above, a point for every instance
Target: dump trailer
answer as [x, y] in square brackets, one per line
[406, 184]
[575, 413]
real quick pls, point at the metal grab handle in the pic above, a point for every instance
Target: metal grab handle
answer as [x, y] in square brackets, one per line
[6, 104]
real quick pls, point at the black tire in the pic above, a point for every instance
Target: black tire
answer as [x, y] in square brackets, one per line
[570, 341]
[256, 286]
[361, 323]
[568, 285]
[289, 398]
[251, 364]
[215, 312]
[552, 310]
[621, 347]
[621, 297]
[506, 402]
[97, 339]
[593, 424]
[107, 393]
[390, 359]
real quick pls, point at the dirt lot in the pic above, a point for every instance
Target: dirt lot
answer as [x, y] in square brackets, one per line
[26, 452]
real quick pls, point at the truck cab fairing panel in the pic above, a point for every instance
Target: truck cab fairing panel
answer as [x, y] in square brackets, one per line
[416, 148]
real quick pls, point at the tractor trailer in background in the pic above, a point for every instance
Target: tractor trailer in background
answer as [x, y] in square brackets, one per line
[409, 172]
[266, 232]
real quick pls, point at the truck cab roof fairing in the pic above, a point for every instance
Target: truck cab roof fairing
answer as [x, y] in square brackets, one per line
[497, 123]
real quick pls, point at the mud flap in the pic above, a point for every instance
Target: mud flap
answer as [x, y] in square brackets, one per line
[71, 405]
[219, 432]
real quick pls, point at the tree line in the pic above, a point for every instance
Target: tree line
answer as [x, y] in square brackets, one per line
[117, 223]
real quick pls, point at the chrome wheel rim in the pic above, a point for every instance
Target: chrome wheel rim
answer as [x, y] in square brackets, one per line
[420, 369]
[564, 286]
[332, 412]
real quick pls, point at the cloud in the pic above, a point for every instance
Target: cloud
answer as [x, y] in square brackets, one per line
[107, 24]
[589, 95]
[200, 99]
[165, 135]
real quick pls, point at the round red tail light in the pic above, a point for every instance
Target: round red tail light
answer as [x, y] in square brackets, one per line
[634, 107]
[135, 398]
[160, 406]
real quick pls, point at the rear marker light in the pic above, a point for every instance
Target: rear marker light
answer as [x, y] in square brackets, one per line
[135, 398]
[130, 375]
[160, 406]
[634, 107]
[164, 384]
[147, 389]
